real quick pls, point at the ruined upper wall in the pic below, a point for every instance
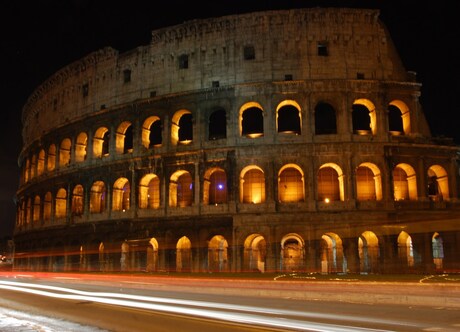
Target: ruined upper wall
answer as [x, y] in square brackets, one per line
[285, 44]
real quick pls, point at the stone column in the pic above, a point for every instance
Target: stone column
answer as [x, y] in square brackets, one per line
[350, 248]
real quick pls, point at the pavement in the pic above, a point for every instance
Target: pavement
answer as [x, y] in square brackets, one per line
[435, 295]
[17, 321]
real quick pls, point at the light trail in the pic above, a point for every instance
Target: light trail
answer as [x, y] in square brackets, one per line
[242, 314]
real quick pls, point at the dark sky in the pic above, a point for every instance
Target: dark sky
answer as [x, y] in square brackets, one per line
[40, 37]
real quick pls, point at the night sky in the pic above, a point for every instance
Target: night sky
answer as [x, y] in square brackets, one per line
[40, 37]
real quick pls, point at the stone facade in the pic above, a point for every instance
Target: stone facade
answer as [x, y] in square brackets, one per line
[272, 141]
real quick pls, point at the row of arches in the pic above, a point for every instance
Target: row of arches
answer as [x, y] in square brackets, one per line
[329, 254]
[125, 138]
[179, 190]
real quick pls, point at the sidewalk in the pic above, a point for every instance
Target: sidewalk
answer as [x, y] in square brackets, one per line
[17, 321]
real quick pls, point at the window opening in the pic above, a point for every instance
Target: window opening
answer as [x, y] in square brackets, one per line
[361, 119]
[253, 122]
[289, 120]
[249, 52]
[85, 90]
[183, 61]
[155, 134]
[126, 75]
[185, 128]
[322, 49]
[128, 146]
[328, 185]
[218, 188]
[395, 121]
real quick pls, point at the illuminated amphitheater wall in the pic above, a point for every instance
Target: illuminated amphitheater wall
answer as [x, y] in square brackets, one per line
[288, 141]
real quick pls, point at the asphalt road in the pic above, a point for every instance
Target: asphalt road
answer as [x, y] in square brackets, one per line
[180, 304]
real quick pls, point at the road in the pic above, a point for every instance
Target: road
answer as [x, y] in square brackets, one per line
[124, 303]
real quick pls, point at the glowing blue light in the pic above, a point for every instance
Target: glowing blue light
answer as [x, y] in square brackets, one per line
[220, 186]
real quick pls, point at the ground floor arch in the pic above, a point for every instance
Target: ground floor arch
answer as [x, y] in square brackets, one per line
[218, 254]
[369, 252]
[244, 247]
[292, 253]
[255, 250]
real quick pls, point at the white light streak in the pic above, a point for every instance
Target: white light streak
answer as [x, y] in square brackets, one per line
[241, 314]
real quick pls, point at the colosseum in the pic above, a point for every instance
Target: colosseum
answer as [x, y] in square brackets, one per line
[277, 141]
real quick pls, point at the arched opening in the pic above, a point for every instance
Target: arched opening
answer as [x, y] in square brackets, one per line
[121, 195]
[395, 123]
[368, 183]
[152, 132]
[64, 152]
[125, 261]
[215, 186]
[102, 258]
[149, 192]
[292, 253]
[124, 138]
[101, 142]
[36, 210]
[438, 250]
[364, 117]
[29, 211]
[26, 171]
[80, 147]
[332, 258]
[404, 183]
[152, 255]
[291, 186]
[405, 249]
[97, 202]
[180, 189]
[438, 183]
[184, 255]
[252, 185]
[251, 120]
[41, 162]
[33, 166]
[255, 252]
[369, 252]
[217, 254]
[288, 117]
[77, 200]
[182, 127]
[47, 207]
[399, 118]
[51, 158]
[60, 208]
[330, 183]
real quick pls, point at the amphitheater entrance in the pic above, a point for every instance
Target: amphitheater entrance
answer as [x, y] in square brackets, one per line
[405, 250]
[368, 250]
[255, 250]
[438, 251]
[292, 253]
[218, 254]
[139, 255]
[332, 258]
[94, 256]
[102, 257]
[184, 255]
